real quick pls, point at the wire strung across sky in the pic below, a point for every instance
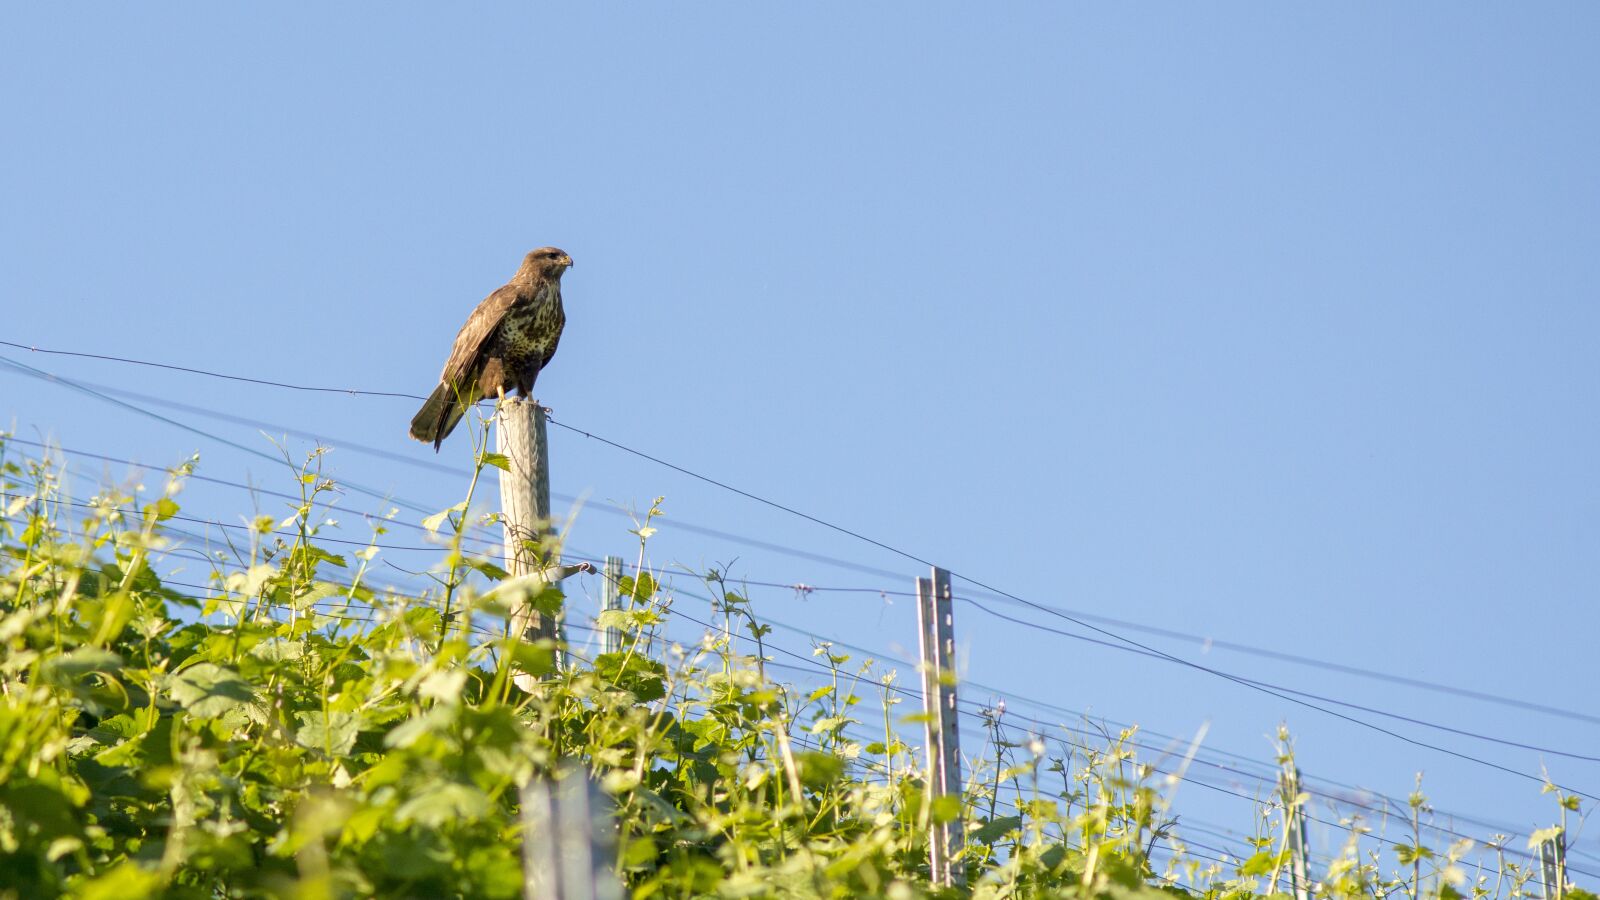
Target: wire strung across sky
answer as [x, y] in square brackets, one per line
[1080, 622]
[1071, 615]
[804, 588]
[94, 389]
[1327, 665]
[1525, 705]
[157, 365]
[252, 451]
[84, 504]
[1276, 687]
[250, 488]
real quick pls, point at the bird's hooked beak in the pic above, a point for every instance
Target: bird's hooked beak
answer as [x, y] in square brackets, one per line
[566, 261]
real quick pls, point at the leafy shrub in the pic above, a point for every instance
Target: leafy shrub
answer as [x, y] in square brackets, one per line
[292, 729]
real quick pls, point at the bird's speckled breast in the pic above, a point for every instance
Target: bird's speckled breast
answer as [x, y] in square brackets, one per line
[530, 329]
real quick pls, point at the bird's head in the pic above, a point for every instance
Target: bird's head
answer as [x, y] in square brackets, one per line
[547, 262]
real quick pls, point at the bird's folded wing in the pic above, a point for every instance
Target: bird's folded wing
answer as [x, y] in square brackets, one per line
[466, 355]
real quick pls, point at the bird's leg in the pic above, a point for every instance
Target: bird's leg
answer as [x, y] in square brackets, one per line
[501, 403]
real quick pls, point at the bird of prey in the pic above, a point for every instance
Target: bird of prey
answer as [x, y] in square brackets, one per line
[510, 336]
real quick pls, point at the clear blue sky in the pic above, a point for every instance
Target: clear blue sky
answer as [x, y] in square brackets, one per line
[1274, 324]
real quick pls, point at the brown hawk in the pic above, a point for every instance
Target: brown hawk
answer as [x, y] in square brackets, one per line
[510, 336]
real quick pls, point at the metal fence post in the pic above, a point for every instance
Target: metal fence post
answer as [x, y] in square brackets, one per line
[1553, 866]
[1299, 874]
[937, 640]
[611, 598]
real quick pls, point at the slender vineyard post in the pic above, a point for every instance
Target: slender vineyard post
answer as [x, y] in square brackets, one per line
[525, 509]
[611, 598]
[1289, 787]
[937, 640]
[1553, 865]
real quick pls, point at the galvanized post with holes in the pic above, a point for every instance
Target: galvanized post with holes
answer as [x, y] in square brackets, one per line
[1294, 812]
[1553, 865]
[611, 598]
[937, 639]
[568, 841]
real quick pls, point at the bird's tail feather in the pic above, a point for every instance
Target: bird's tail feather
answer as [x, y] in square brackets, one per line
[439, 415]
